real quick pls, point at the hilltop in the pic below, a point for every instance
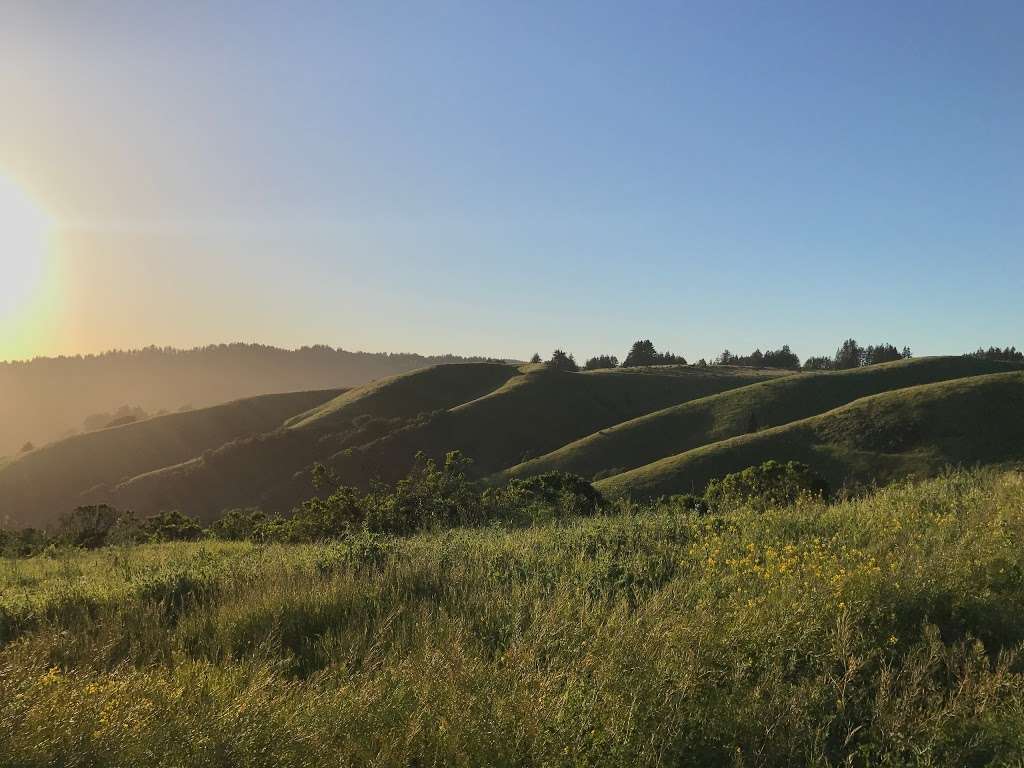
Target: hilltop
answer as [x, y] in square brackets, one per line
[910, 432]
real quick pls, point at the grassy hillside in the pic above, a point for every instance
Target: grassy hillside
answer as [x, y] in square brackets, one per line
[674, 430]
[913, 431]
[533, 411]
[538, 411]
[41, 400]
[37, 487]
[422, 391]
[876, 632]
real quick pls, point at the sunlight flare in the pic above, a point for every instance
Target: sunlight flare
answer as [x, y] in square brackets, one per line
[25, 235]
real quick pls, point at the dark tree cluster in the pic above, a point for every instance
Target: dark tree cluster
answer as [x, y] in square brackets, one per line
[560, 361]
[601, 361]
[852, 355]
[126, 414]
[884, 353]
[819, 363]
[773, 358]
[1011, 354]
[644, 353]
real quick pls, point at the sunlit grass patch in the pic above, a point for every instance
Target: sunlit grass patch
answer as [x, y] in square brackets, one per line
[879, 630]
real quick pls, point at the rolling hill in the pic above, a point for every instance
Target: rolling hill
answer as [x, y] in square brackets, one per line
[673, 430]
[904, 433]
[39, 486]
[645, 431]
[45, 399]
[539, 410]
[531, 409]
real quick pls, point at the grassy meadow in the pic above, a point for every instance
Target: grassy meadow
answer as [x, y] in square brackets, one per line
[883, 630]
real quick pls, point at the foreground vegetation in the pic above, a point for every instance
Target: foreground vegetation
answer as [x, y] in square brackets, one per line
[876, 631]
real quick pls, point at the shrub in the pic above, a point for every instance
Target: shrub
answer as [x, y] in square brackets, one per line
[318, 518]
[570, 493]
[430, 496]
[22, 543]
[688, 502]
[553, 495]
[770, 484]
[237, 524]
[172, 526]
[88, 526]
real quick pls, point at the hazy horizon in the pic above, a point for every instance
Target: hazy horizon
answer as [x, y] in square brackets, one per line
[470, 180]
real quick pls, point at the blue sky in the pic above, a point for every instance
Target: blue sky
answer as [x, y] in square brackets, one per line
[489, 178]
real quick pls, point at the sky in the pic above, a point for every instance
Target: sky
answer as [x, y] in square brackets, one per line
[505, 178]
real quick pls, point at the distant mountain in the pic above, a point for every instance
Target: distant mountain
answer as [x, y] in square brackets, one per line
[45, 399]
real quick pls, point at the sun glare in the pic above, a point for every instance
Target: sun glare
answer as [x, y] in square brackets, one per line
[25, 231]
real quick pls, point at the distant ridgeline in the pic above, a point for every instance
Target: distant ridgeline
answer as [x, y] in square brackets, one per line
[49, 398]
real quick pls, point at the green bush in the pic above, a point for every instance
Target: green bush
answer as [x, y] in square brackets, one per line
[432, 496]
[88, 527]
[22, 543]
[238, 524]
[172, 526]
[337, 515]
[552, 495]
[769, 484]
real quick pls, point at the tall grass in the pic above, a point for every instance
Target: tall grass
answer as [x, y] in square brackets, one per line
[878, 631]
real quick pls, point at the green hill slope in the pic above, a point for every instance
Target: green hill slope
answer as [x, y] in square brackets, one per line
[38, 487]
[680, 428]
[907, 432]
[422, 391]
[533, 411]
[541, 410]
